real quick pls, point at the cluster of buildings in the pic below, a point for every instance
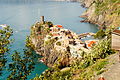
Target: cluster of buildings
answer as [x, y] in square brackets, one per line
[66, 41]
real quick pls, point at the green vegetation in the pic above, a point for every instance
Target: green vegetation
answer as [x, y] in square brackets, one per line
[100, 34]
[110, 10]
[95, 69]
[29, 43]
[54, 74]
[102, 49]
[5, 41]
[58, 43]
[94, 63]
[40, 29]
[22, 66]
[91, 64]
[103, 6]
[50, 24]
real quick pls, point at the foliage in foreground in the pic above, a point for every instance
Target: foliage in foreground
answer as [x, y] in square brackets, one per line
[100, 34]
[22, 66]
[55, 74]
[5, 40]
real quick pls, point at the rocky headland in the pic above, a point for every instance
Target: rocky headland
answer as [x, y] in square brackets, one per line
[58, 45]
[104, 13]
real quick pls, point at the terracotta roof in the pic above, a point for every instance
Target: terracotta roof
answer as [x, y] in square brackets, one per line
[60, 26]
[91, 43]
[116, 32]
[55, 34]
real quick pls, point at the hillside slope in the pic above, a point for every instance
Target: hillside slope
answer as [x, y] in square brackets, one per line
[113, 70]
[102, 12]
[105, 13]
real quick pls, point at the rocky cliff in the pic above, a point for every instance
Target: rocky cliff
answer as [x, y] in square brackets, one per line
[38, 33]
[57, 45]
[105, 13]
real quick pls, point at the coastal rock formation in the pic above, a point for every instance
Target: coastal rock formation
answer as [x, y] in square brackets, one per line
[57, 45]
[104, 13]
[87, 3]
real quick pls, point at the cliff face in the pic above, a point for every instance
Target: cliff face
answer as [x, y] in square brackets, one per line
[38, 33]
[105, 13]
[87, 3]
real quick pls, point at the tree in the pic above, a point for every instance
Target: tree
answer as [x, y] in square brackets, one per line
[21, 67]
[5, 40]
[100, 34]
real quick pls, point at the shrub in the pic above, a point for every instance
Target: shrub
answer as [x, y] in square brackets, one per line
[58, 43]
[100, 34]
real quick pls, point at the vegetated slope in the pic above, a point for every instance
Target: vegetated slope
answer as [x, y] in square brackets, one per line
[113, 69]
[87, 66]
[103, 12]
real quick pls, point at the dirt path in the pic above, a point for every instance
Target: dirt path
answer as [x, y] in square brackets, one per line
[113, 70]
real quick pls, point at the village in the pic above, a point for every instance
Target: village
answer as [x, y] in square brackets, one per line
[63, 47]
[66, 40]
[69, 41]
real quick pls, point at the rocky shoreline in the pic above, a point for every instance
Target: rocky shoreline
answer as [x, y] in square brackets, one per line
[100, 13]
[90, 15]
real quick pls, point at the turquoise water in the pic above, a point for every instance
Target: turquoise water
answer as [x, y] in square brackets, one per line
[21, 14]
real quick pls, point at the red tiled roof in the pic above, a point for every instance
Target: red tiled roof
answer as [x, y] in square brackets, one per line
[60, 26]
[91, 43]
[116, 31]
[55, 34]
